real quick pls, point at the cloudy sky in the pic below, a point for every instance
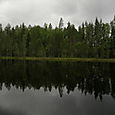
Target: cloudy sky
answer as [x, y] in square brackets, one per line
[40, 11]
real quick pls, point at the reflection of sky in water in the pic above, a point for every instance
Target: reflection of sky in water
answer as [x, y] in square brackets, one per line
[36, 102]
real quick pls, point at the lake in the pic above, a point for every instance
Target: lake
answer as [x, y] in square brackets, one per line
[57, 88]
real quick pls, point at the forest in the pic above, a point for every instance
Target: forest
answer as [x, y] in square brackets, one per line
[89, 40]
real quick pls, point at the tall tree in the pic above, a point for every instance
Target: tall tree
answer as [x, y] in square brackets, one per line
[61, 24]
[113, 38]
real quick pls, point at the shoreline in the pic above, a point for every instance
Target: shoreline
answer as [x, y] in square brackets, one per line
[60, 59]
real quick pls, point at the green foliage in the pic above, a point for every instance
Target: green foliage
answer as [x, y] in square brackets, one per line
[89, 40]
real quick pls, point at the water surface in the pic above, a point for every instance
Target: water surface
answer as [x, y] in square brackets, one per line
[57, 88]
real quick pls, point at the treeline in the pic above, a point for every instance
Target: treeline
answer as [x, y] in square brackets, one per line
[89, 40]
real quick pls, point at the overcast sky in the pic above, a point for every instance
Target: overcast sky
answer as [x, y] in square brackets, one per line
[41, 11]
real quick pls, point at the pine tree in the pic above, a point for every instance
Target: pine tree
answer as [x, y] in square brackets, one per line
[61, 24]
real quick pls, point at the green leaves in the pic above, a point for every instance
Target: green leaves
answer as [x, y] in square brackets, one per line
[89, 40]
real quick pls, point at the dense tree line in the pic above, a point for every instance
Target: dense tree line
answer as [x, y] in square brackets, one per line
[88, 40]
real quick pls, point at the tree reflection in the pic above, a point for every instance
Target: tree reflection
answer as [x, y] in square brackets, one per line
[90, 78]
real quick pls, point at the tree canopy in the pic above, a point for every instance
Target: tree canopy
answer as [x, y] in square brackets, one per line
[89, 40]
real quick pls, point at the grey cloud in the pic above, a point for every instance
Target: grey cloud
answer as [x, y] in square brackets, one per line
[38, 12]
[90, 9]
[67, 7]
[98, 7]
[26, 11]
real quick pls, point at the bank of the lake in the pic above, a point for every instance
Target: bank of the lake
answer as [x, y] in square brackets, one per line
[59, 59]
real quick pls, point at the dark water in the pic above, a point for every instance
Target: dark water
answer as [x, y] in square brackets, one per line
[57, 88]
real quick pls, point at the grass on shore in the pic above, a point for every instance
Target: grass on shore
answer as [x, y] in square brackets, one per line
[59, 59]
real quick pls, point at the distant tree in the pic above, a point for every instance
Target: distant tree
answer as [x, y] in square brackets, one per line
[0, 27]
[113, 38]
[61, 24]
[45, 26]
[50, 26]
[89, 40]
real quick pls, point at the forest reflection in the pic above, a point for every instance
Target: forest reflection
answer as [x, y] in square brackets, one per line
[97, 79]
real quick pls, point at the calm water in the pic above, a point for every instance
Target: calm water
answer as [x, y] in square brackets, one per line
[57, 88]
